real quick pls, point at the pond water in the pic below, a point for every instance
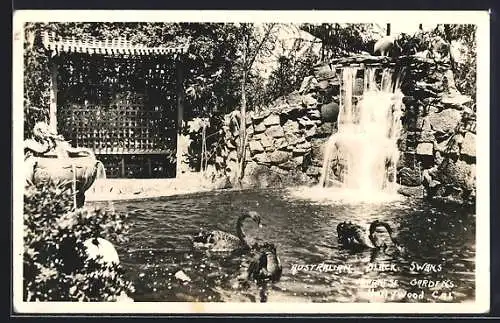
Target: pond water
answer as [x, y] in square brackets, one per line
[304, 230]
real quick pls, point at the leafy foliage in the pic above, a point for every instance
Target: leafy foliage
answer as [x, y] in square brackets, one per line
[463, 38]
[213, 141]
[342, 39]
[466, 69]
[289, 75]
[56, 265]
[36, 79]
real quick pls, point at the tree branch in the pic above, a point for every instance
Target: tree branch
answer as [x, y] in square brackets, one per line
[264, 39]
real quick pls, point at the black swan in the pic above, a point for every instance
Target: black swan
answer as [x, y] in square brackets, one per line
[262, 266]
[353, 236]
[217, 240]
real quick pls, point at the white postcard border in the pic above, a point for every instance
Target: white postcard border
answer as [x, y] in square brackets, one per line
[480, 18]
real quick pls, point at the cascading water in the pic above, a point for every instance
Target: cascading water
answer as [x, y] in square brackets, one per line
[363, 154]
[99, 185]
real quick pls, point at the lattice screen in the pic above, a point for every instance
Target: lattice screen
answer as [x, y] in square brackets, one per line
[122, 108]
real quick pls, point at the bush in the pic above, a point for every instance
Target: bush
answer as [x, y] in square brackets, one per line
[56, 264]
[213, 140]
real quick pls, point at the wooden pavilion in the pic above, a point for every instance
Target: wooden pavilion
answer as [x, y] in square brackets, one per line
[122, 100]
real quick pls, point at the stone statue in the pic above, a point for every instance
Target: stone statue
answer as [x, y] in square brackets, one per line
[386, 46]
[48, 156]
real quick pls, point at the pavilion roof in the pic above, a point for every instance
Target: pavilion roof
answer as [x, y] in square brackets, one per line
[111, 47]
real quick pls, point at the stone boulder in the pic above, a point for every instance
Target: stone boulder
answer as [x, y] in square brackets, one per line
[296, 177]
[292, 138]
[310, 133]
[313, 171]
[291, 127]
[323, 72]
[469, 145]
[279, 170]
[425, 149]
[260, 176]
[255, 147]
[280, 143]
[304, 145]
[250, 130]
[318, 150]
[259, 128]
[291, 110]
[459, 175]
[222, 182]
[309, 101]
[287, 166]
[314, 114]
[266, 142]
[455, 101]
[330, 112]
[271, 120]
[262, 158]
[451, 182]
[305, 122]
[278, 157]
[257, 117]
[308, 84]
[409, 177]
[426, 136]
[445, 121]
[406, 159]
[294, 98]
[275, 131]
[329, 88]
[326, 129]
[411, 191]
[298, 160]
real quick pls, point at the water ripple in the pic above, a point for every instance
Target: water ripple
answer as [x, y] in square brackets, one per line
[305, 232]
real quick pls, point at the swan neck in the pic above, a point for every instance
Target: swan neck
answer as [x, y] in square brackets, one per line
[387, 228]
[239, 228]
[371, 238]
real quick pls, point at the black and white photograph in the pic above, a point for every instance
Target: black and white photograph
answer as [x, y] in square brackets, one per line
[250, 161]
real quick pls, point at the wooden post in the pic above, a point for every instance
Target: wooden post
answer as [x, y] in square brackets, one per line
[180, 112]
[180, 94]
[122, 164]
[388, 29]
[150, 172]
[53, 96]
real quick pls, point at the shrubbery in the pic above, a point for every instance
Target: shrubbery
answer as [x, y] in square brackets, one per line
[56, 264]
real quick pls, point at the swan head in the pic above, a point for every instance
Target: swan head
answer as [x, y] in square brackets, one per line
[341, 227]
[375, 237]
[255, 217]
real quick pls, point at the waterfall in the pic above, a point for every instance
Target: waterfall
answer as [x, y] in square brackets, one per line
[363, 154]
[99, 185]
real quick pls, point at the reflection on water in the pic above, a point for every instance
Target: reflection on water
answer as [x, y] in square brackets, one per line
[304, 231]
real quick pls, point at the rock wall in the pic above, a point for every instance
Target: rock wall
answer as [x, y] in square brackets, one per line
[439, 135]
[285, 141]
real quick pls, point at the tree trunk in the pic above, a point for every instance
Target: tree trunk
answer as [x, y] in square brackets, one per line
[248, 61]
[243, 113]
[243, 125]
